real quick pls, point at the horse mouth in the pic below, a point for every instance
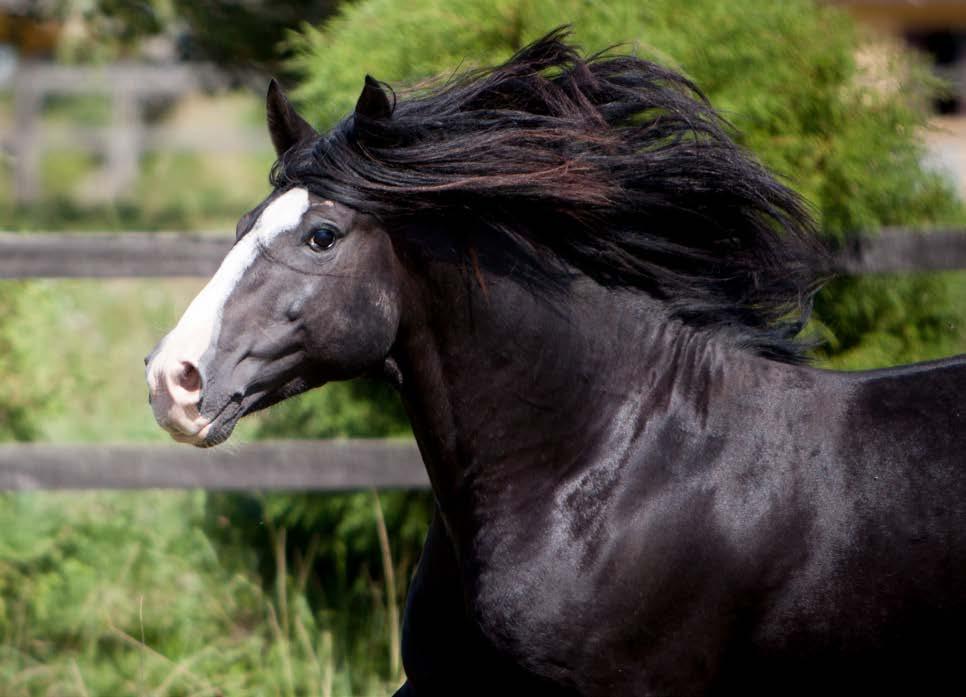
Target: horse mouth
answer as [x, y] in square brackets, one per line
[220, 427]
[215, 430]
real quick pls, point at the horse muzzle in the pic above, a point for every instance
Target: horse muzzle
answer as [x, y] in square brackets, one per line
[175, 393]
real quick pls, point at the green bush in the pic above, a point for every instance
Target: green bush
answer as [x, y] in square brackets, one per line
[844, 131]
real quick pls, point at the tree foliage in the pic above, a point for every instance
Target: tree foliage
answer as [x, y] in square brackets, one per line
[235, 35]
[244, 34]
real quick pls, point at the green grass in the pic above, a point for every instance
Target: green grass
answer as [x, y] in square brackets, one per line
[122, 594]
[6, 108]
[174, 191]
[209, 192]
[63, 171]
[6, 182]
[77, 110]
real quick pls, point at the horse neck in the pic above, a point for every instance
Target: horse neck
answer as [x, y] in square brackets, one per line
[509, 391]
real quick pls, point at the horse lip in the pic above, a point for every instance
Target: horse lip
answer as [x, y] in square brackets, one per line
[192, 437]
[179, 433]
[220, 426]
[200, 436]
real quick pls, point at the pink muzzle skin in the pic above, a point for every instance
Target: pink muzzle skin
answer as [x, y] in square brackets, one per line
[174, 387]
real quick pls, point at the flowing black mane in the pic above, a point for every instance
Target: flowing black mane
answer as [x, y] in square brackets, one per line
[616, 166]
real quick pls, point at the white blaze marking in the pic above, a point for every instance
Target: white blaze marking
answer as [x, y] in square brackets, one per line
[201, 322]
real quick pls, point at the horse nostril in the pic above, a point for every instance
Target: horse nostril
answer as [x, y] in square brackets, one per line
[189, 379]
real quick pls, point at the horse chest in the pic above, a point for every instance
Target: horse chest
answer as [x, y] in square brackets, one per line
[645, 588]
[597, 610]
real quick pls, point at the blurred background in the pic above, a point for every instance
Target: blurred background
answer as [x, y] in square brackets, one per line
[147, 115]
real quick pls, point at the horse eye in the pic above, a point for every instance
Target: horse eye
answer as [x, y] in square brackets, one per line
[322, 239]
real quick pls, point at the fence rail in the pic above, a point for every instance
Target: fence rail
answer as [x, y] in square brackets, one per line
[144, 255]
[334, 465]
[895, 250]
[128, 254]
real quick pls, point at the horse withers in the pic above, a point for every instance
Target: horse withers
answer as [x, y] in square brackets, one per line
[588, 298]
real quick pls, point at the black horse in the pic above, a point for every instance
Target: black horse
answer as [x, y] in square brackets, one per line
[588, 297]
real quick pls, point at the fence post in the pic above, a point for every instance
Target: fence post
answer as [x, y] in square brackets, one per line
[124, 142]
[27, 106]
[121, 144]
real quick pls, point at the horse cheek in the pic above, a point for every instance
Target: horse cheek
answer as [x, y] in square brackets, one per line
[351, 337]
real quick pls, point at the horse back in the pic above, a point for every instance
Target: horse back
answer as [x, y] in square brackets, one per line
[879, 595]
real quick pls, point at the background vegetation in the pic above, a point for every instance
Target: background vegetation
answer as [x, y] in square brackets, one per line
[112, 594]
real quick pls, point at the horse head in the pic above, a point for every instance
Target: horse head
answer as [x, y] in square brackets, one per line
[308, 293]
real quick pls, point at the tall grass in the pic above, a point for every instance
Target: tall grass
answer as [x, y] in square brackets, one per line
[123, 594]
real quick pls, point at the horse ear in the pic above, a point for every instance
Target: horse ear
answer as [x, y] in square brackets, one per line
[284, 124]
[373, 103]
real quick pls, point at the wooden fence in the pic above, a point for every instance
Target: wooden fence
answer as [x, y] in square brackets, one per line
[335, 465]
[140, 254]
[127, 86]
[291, 465]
